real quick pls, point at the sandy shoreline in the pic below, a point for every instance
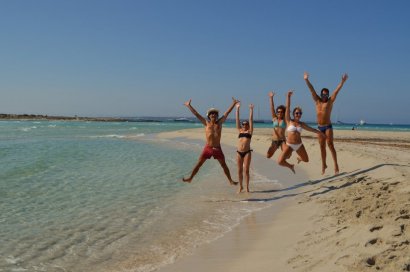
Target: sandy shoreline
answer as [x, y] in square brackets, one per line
[356, 221]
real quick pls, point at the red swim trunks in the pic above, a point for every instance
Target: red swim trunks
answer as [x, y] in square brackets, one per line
[210, 151]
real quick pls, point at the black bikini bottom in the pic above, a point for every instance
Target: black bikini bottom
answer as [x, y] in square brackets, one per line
[243, 153]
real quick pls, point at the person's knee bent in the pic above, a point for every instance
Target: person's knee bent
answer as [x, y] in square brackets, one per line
[269, 154]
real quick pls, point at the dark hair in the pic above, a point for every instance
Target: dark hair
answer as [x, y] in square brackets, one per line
[324, 90]
[281, 107]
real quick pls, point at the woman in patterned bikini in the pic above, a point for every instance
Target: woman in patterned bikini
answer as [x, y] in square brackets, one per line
[279, 127]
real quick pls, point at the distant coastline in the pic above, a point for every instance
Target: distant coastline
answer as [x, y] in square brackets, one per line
[58, 118]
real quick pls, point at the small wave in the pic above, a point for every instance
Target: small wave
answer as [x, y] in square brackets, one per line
[139, 135]
[28, 128]
[109, 136]
[258, 178]
[52, 126]
[12, 260]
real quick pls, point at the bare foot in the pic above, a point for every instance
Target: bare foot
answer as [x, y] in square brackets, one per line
[240, 190]
[299, 160]
[187, 180]
[233, 182]
[324, 169]
[337, 170]
[292, 168]
[247, 189]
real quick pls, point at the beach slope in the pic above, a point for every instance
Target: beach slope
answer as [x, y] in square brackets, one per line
[358, 220]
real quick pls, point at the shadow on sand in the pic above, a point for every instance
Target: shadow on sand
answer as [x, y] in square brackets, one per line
[313, 182]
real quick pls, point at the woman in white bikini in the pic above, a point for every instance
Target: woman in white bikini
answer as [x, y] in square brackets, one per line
[279, 127]
[294, 140]
[244, 150]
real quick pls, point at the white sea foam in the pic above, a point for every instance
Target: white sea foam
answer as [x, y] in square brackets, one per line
[25, 129]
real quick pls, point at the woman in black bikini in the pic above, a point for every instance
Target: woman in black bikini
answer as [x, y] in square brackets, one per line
[244, 150]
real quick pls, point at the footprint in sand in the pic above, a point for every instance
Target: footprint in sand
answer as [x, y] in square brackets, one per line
[375, 228]
[407, 216]
[371, 261]
[371, 242]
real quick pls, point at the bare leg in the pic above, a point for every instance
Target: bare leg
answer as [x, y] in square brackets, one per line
[322, 143]
[329, 139]
[302, 154]
[195, 170]
[227, 173]
[287, 151]
[239, 160]
[271, 151]
[247, 163]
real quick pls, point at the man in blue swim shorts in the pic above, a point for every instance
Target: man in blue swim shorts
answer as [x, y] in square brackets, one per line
[324, 105]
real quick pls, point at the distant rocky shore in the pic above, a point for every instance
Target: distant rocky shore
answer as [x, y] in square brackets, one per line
[58, 118]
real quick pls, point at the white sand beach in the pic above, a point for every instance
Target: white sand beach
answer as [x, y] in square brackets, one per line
[356, 221]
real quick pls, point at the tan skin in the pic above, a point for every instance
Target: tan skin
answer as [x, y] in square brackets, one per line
[244, 144]
[324, 106]
[213, 133]
[294, 137]
[278, 132]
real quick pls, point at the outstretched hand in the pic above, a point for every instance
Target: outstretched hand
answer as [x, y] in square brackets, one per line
[251, 106]
[188, 103]
[290, 93]
[238, 105]
[344, 77]
[271, 94]
[235, 101]
[305, 76]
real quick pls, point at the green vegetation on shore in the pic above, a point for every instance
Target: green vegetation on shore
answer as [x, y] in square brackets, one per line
[58, 118]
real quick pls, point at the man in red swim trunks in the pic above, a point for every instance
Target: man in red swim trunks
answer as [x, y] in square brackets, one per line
[213, 130]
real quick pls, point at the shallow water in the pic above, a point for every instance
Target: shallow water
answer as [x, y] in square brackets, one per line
[88, 196]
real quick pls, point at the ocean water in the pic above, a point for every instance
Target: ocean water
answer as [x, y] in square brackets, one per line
[95, 196]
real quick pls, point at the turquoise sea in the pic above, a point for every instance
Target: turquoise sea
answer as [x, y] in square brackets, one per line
[95, 196]
[107, 196]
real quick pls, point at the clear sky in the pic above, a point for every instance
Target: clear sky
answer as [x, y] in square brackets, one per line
[145, 58]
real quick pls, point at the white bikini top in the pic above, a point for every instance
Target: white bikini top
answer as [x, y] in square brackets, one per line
[292, 128]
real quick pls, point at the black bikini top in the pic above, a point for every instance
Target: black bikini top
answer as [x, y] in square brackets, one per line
[244, 134]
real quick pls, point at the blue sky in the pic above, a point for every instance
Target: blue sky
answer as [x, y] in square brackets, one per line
[145, 58]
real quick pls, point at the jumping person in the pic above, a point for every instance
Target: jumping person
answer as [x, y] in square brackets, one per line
[213, 130]
[279, 127]
[324, 105]
[294, 140]
[244, 150]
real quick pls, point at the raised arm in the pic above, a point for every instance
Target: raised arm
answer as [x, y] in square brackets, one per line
[251, 118]
[200, 118]
[238, 126]
[225, 116]
[272, 105]
[339, 87]
[287, 112]
[310, 86]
